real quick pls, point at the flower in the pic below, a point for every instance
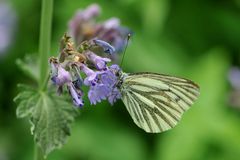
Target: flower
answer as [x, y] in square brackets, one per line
[83, 26]
[105, 88]
[111, 31]
[7, 25]
[101, 78]
[90, 12]
[234, 80]
[109, 78]
[112, 23]
[107, 48]
[98, 61]
[76, 78]
[115, 68]
[234, 77]
[94, 45]
[91, 75]
[98, 92]
[60, 76]
[76, 95]
[114, 96]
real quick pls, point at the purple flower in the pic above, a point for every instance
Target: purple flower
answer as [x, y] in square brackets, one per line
[98, 61]
[115, 68]
[90, 12]
[7, 25]
[92, 43]
[91, 78]
[98, 92]
[107, 48]
[76, 95]
[59, 75]
[83, 26]
[112, 32]
[234, 77]
[105, 88]
[112, 23]
[77, 79]
[114, 96]
[108, 78]
[78, 83]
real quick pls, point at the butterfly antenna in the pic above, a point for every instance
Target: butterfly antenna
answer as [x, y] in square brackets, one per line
[128, 37]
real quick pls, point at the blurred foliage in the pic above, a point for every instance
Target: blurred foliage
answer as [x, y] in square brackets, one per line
[196, 39]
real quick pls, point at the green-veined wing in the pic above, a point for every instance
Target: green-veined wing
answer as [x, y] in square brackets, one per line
[156, 102]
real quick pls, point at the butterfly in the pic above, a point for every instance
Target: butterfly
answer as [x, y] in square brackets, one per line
[156, 102]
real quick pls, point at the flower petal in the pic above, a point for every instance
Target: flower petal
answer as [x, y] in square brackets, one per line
[106, 46]
[76, 96]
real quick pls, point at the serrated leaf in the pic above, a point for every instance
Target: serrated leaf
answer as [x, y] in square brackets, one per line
[50, 116]
[29, 65]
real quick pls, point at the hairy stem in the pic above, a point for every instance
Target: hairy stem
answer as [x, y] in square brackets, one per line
[45, 39]
[44, 50]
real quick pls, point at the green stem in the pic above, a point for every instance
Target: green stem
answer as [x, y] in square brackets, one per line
[44, 50]
[38, 153]
[45, 40]
[45, 84]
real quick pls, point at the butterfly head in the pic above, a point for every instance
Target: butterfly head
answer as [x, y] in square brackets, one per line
[119, 74]
[116, 70]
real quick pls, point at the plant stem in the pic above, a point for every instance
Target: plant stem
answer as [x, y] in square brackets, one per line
[44, 50]
[45, 84]
[45, 39]
[38, 153]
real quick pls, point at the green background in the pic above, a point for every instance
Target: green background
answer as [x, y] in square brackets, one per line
[196, 39]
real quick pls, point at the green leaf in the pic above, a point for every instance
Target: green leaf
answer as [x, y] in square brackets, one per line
[30, 66]
[50, 116]
[27, 100]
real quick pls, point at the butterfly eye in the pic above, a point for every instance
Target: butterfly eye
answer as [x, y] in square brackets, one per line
[119, 83]
[117, 74]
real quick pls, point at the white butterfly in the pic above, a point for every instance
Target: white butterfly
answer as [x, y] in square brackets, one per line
[156, 102]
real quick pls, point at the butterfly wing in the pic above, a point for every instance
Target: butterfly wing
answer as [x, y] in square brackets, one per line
[156, 102]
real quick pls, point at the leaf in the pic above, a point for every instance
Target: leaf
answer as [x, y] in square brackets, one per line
[29, 65]
[50, 116]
